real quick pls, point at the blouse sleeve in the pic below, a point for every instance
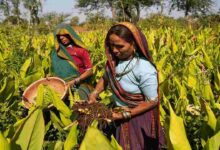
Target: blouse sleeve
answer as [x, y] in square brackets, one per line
[148, 81]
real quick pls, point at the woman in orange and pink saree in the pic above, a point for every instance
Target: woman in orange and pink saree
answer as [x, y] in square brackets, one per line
[133, 79]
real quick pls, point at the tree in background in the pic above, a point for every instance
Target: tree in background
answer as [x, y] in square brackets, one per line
[74, 21]
[128, 9]
[192, 6]
[34, 6]
[52, 19]
[5, 8]
[12, 8]
[16, 10]
[11, 11]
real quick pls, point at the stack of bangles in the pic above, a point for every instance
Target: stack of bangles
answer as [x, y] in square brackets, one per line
[126, 114]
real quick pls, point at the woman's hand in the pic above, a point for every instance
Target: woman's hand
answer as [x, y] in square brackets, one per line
[74, 82]
[92, 98]
[116, 116]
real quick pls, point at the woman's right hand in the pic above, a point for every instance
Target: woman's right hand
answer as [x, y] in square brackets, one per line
[92, 98]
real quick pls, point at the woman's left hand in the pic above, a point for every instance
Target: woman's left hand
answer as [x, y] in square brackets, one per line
[116, 116]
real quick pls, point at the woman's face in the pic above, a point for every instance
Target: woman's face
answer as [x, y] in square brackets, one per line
[64, 40]
[120, 48]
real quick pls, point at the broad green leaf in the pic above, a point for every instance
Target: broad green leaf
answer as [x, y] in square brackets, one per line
[19, 122]
[7, 88]
[71, 140]
[192, 79]
[161, 63]
[24, 68]
[76, 95]
[56, 121]
[195, 98]
[190, 53]
[95, 124]
[217, 80]
[115, 144]
[181, 89]
[60, 105]
[177, 132]
[217, 129]
[4, 145]
[30, 135]
[31, 78]
[95, 140]
[211, 117]
[213, 143]
[58, 145]
[65, 121]
[9, 91]
[1, 57]
[40, 95]
[3, 85]
[162, 77]
[208, 62]
[9, 132]
[207, 93]
[174, 46]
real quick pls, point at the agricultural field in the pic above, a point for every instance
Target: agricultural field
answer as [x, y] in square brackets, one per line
[188, 62]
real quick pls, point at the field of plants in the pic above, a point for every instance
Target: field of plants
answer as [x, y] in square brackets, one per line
[188, 61]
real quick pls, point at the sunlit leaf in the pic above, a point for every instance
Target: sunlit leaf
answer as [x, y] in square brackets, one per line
[177, 132]
[71, 140]
[213, 143]
[115, 144]
[4, 145]
[99, 141]
[24, 68]
[30, 135]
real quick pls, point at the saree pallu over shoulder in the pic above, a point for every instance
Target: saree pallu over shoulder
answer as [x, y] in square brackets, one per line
[130, 99]
[63, 68]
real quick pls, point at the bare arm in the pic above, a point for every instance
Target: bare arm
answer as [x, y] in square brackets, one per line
[86, 74]
[82, 77]
[141, 108]
[101, 85]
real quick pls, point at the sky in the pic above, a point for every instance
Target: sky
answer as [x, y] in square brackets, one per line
[68, 6]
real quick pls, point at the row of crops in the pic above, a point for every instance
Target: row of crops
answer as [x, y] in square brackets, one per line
[189, 71]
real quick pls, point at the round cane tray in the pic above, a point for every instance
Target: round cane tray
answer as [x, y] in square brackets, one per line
[30, 93]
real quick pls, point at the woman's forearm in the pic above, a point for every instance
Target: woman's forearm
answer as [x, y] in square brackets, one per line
[86, 74]
[142, 107]
[100, 86]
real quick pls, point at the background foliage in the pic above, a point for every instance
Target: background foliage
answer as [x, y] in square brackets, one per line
[186, 52]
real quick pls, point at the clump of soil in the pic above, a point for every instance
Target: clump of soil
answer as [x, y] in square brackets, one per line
[87, 113]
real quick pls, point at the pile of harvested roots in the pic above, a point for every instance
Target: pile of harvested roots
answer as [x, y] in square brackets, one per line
[87, 113]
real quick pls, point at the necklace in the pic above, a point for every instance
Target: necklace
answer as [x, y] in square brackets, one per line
[124, 72]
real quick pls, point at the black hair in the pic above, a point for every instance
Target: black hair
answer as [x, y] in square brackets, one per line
[121, 31]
